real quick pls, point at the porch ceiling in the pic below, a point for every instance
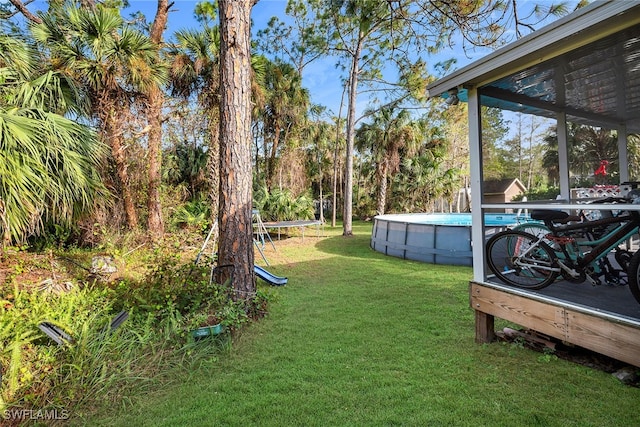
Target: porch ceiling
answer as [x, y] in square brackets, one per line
[587, 65]
[597, 84]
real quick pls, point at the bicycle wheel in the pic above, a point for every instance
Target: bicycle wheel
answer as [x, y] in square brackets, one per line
[520, 259]
[537, 229]
[633, 274]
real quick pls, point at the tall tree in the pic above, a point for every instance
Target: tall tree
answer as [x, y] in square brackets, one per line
[364, 33]
[371, 37]
[156, 96]
[633, 156]
[524, 151]
[196, 70]
[319, 135]
[391, 134]
[424, 178]
[299, 41]
[114, 64]
[284, 112]
[588, 146]
[235, 218]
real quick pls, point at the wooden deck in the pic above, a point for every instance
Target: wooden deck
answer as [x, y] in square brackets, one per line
[605, 318]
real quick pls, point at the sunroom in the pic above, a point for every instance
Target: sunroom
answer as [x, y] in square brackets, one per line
[584, 69]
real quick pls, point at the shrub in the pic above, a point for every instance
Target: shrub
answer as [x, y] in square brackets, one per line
[192, 215]
[170, 285]
[32, 366]
[281, 205]
[53, 235]
[542, 193]
[98, 362]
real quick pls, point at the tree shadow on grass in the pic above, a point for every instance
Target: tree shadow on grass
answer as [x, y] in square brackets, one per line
[357, 246]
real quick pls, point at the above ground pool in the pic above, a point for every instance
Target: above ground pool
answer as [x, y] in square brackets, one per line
[436, 238]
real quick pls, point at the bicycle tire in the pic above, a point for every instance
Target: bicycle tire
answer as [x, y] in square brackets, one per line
[632, 275]
[538, 230]
[521, 259]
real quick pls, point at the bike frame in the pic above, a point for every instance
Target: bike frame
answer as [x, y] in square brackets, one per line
[628, 226]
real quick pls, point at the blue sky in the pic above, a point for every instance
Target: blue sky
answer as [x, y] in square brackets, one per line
[321, 78]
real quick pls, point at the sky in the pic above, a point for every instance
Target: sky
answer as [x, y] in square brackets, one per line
[321, 78]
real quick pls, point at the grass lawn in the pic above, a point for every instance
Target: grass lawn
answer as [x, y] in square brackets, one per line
[358, 338]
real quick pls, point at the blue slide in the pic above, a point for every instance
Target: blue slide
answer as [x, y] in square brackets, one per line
[270, 278]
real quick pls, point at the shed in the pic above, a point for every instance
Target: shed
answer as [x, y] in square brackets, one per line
[583, 68]
[502, 190]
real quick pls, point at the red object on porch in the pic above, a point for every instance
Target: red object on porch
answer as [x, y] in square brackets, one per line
[602, 169]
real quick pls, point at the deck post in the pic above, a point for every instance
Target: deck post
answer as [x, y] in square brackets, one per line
[485, 332]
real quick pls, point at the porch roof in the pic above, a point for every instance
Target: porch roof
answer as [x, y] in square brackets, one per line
[586, 64]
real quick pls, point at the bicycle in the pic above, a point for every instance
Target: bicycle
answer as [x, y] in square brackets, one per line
[590, 233]
[575, 249]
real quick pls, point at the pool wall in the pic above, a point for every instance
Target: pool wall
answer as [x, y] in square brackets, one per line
[432, 238]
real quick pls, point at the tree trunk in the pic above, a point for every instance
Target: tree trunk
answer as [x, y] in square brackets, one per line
[6, 232]
[271, 164]
[122, 171]
[114, 138]
[155, 224]
[335, 161]
[214, 167]
[321, 217]
[235, 221]
[382, 187]
[347, 226]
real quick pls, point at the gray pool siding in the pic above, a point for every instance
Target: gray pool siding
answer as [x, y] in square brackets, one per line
[434, 244]
[430, 243]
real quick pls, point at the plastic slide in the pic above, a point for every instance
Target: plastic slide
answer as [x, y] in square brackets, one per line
[270, 278]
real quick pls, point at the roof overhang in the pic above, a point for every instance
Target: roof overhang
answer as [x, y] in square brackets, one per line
[586, 64]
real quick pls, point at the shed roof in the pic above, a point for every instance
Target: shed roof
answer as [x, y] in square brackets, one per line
[502, 186]
[586, 64]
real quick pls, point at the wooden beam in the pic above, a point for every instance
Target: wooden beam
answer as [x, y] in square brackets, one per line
[485, 330]
[607, 336]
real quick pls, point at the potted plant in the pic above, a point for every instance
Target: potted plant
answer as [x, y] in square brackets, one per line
[207, 324]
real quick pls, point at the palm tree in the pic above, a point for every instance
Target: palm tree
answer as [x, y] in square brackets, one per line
[195, 68]
[48, 163]
[588, 146]
[593, 145]
[114, 64]
[633, 156]
[287, 103]
[424, 178]
[320, 136]
[156, 96]
[387, 137]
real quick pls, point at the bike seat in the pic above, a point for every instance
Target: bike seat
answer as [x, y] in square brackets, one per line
[548, 215]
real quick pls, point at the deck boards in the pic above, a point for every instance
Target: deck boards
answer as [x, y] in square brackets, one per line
[605, 318]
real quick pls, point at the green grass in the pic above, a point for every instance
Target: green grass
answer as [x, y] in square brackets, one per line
[357, 338]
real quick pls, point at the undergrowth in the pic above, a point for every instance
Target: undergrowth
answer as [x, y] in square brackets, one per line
[98, 361]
